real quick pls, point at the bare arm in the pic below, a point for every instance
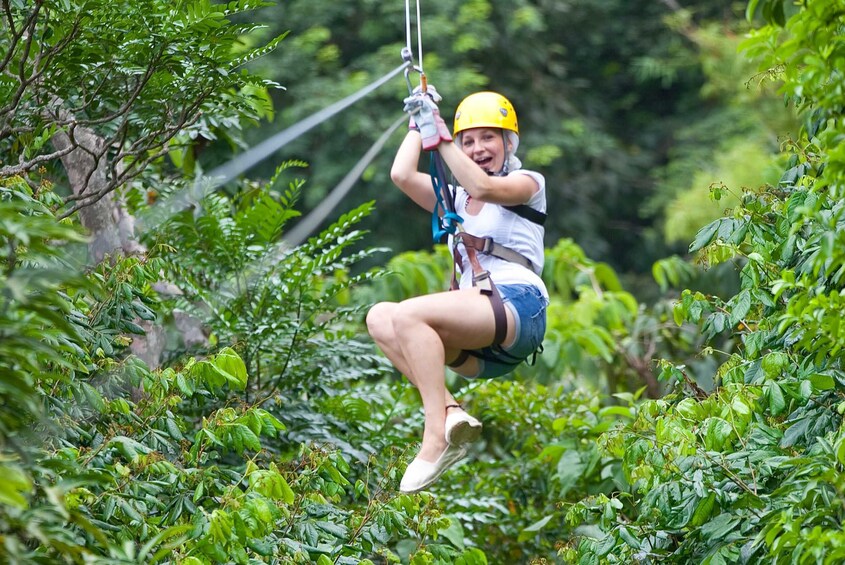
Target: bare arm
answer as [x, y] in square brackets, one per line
[507, 190]
[405, 174]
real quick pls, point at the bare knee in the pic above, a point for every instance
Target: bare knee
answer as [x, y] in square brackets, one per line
[406, 320]
[380, 320]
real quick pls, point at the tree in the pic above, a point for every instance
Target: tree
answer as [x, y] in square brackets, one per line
[98, 92]
[750, 472]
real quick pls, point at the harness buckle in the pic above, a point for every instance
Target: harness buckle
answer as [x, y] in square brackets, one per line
[487, 249]
[483, 282]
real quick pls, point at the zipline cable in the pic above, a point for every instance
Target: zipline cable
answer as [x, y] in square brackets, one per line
[310, 223]
[408, 26]
[241, 163]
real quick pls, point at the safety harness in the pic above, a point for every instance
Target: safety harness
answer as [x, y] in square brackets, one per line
[445, 221]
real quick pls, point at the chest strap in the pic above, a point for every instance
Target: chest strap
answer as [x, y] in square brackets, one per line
[487, 246]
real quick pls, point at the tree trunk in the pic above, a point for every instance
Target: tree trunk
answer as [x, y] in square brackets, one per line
[111, 227]
[87, 174]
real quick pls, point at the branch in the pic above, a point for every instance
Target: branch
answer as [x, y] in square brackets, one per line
[14, 34]
[141, 146]
[133, 96]
[28, 27]
[12, 170]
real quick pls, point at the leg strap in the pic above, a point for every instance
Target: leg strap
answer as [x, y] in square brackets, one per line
[460, 359]
[500, 321]
[498, 315]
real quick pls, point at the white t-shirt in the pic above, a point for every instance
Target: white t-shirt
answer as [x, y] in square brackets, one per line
[509, 229]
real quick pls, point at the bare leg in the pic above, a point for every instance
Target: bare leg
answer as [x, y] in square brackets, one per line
[380, 325]
[416, 335]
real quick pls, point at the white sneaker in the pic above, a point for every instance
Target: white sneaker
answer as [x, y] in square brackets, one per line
[461, 428]
[420, 474]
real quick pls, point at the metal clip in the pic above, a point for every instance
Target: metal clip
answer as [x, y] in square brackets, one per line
[483, 282]
[408, 57]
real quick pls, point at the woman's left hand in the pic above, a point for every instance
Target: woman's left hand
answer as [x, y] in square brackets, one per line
[426, 115]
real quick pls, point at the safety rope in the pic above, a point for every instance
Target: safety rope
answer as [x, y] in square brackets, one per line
[419, 32]
[444, 220]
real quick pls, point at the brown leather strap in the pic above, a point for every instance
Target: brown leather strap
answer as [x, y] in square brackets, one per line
[482, 280]
[498, 315]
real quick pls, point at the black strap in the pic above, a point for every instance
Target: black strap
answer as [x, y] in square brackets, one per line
[527, 212]
[459, 360]
[481, 280]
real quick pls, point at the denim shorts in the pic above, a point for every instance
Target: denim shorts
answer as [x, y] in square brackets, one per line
[528, 306]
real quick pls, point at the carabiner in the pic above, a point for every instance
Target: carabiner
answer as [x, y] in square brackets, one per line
[408, 57]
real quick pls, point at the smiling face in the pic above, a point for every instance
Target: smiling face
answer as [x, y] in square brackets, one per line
[486, 147]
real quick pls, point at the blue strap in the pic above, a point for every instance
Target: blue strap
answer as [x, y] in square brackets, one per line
[444, 220]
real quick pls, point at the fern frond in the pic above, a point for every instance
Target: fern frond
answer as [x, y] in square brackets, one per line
[254, 54]
[264, 218]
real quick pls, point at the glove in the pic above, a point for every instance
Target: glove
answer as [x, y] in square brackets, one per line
[432, 93]
[426, 115]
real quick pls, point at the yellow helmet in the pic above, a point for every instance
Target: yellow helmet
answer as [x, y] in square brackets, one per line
[485, 110]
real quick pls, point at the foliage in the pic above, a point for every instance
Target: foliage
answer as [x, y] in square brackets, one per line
[283, 439]
[750, 472]
[144, 76]
[182, 472]
[277, 305]
[106, 461]
[538, 455]
[734, 145]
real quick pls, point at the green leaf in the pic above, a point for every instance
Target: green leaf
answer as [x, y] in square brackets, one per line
[183, 386]
[751, 9]
[719, 527]
[230, 364]
[628, 538]
[14, 484]
[741, 305]
[128, 447]
[95, 399]
[471, 556]
[774, 395]
[703, 510]
[337, 530]
[454, 532]
[822, 382]
[534, 528]
[705, 235]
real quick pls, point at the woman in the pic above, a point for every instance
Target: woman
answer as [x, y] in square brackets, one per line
[458, 328]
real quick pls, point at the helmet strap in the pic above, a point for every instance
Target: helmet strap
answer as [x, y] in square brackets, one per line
[504, 172]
